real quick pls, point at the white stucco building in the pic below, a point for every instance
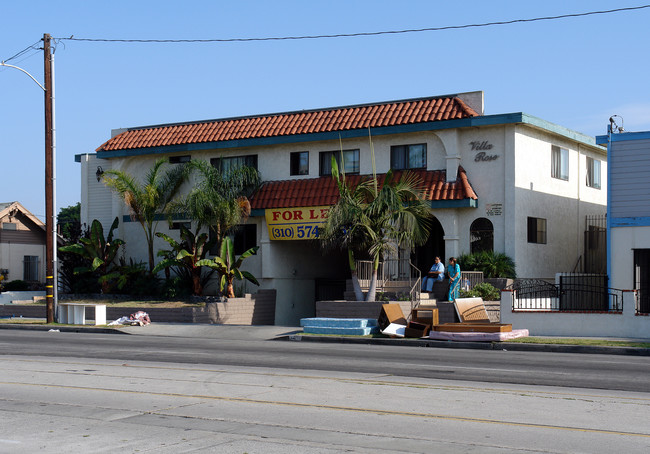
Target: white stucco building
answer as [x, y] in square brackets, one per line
[511, 182]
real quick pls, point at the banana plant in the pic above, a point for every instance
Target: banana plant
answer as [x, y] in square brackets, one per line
[228, 268]
[185, 255]
[100, 251]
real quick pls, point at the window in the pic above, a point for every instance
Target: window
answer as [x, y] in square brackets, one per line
[233, 162]
[177, 225]
[299, 163]
[537, 230]
[642, 279]
[593, 173]
[350, 159]
[481, 235]
[9, 226]
[179, 159]
[30, 268]
[408, 157]
[244, 237]
[559, 163]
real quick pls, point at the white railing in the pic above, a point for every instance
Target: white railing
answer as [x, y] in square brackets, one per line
[392, 276]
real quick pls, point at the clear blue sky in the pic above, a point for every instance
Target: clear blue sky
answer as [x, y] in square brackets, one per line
[575, 72]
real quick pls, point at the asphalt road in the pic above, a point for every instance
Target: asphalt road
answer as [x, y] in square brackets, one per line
[77, 392]
[627, 373]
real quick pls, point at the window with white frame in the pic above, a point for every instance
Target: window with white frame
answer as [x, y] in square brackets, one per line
[299, 163]
[350, 161]
[226, 164]
[559, 163]
[404, 157]
[593, 173]
[180, 159]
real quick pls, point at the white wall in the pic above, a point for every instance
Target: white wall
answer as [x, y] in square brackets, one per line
[12, 256]
[96, 200]
[626, 325]
[563, 203]
[623, 242]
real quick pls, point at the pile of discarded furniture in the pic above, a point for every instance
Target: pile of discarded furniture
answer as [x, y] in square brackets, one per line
[423, 321]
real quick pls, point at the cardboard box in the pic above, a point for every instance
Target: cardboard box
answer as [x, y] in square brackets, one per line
[415, 329]
[390, 313]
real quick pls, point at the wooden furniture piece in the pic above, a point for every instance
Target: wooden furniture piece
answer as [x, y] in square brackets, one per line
[426, 315]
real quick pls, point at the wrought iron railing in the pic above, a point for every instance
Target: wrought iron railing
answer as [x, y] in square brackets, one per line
[572, 296]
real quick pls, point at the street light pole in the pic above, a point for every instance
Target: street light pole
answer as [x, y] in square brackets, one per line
[50, 241]
[50, 176]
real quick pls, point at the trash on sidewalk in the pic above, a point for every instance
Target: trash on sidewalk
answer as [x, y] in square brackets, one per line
[54, 331]
[139, 318]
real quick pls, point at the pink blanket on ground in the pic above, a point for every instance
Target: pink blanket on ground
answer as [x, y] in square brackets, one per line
[478, 337]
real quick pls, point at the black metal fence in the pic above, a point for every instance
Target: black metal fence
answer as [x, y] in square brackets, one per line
[573, 293]
[595, 244]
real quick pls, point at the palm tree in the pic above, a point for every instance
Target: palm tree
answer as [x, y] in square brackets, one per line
[374, 220]
[219, 200]
[150, 198]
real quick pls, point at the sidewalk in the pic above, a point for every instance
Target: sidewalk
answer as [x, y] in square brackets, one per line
[292, 333]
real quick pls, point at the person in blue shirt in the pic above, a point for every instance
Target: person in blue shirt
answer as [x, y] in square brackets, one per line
[435, 274]
[453, 271]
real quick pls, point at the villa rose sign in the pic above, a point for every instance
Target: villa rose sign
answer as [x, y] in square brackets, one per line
[483, 147]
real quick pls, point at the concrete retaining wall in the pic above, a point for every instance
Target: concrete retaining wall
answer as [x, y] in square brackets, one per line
[553, 323]
[255, 309]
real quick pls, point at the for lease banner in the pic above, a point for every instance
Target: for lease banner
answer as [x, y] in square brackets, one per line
[295, 223]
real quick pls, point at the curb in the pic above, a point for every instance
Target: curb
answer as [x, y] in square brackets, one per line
[503, 346]
[62, 329]
[401, 342]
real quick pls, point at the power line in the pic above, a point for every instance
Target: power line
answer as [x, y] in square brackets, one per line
[350, 35]
[26, 49]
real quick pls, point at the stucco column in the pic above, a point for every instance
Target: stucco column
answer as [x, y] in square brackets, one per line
[450, 140]
[452, 238]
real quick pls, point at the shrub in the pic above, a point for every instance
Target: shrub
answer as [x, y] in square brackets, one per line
[484, 290]
[16, 286]
[492, 264]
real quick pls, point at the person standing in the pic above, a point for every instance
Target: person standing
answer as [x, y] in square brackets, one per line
[453, 270]
[435, 274]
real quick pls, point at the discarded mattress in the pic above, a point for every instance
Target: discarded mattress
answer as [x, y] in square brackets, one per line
[478, 337]
[347, 326]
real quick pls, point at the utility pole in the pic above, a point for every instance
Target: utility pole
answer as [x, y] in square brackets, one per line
[49, 180]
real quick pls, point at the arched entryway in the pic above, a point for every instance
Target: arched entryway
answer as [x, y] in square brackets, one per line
[481, 235]
[435, 246]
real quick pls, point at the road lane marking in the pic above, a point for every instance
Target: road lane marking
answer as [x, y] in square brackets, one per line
[363, 381]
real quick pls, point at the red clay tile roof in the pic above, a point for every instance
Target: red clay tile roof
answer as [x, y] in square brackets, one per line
[303, 122]
[323, 191]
